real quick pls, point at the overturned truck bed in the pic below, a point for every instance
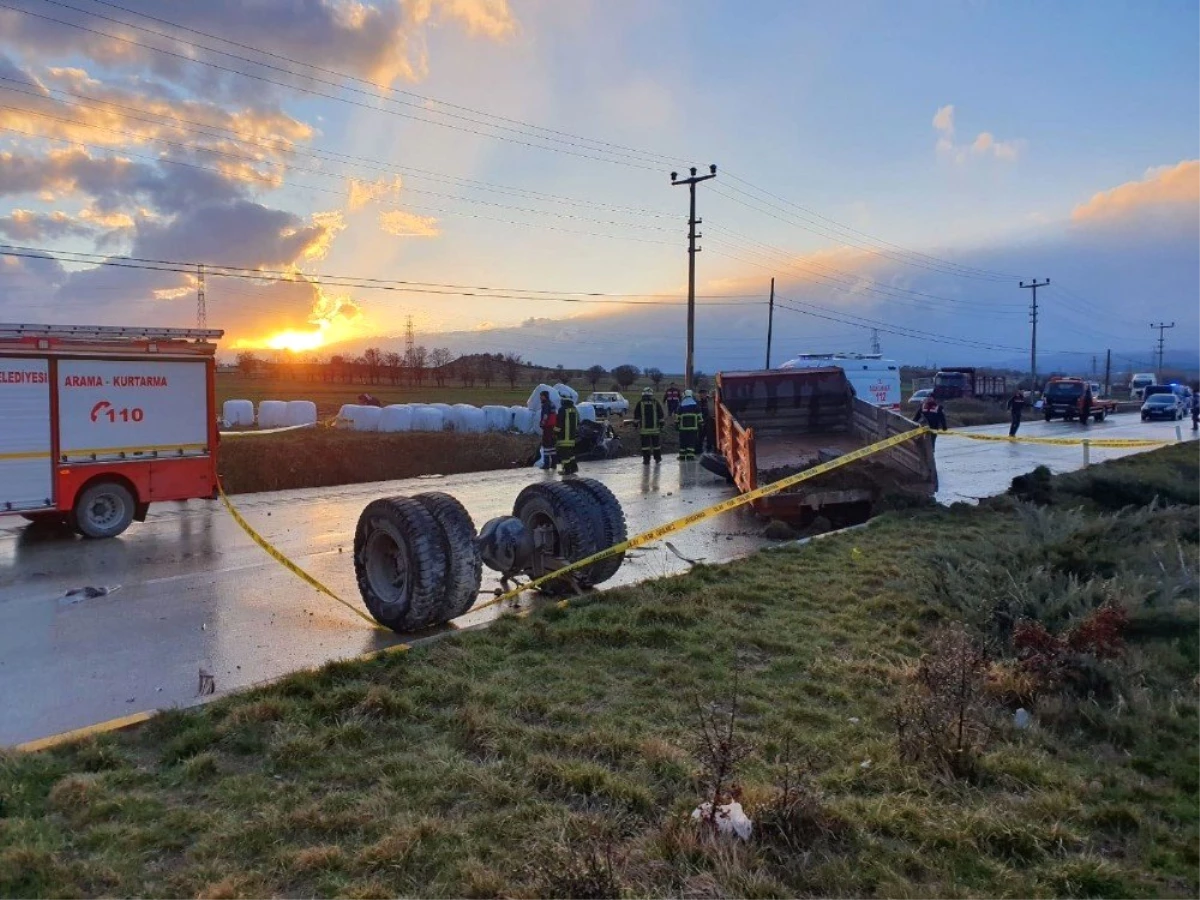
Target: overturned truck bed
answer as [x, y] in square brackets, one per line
[776, 423]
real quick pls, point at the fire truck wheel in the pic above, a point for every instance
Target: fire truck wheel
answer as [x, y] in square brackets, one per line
[569, 516]
[400, 563]
[103, 510]
[610, 519]
[464, 572]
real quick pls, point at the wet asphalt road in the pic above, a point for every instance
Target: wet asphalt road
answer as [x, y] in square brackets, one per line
[188, 589]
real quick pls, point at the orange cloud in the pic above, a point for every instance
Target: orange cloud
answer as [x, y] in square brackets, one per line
[405, 224]
[364, 192]
[491, 18]
[1175, 187]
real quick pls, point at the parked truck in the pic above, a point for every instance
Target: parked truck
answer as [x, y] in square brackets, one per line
[99, 422]
[1064, 399]
[774, 423]
[966, 381]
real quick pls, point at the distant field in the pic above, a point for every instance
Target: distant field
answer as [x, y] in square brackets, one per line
[330, 396]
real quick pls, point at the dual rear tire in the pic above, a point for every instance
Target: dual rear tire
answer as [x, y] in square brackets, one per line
[418, 564]
[416, 561]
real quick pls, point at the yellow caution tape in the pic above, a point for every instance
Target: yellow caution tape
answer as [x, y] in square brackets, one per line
[289, 565]
[654, 534]
[1113, 443]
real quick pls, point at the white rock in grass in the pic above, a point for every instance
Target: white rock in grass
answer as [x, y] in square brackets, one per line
[731, 820]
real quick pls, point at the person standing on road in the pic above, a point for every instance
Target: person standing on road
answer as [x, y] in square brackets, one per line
[671, 396]
[548, 420]
[648, 414]
[708, 425]
[689, 426]
[1085, 405]
[934, 415]
[567, 433]
[1016, 406]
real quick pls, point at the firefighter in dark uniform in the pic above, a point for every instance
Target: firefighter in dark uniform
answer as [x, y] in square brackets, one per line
[688, 423]
[648, 414]
[708, 425]
[566, 434]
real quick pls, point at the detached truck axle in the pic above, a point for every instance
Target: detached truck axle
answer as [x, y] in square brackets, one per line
[419, 562]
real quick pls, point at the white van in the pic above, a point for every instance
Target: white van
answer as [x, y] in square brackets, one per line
[874, 379]
[1139, 382]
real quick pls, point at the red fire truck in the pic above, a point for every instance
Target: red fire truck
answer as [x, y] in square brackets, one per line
[96, 423]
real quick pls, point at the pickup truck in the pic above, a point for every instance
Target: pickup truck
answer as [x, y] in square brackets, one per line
[1062, 396]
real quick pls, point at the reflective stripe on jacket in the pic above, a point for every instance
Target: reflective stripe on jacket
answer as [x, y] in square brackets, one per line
[689, 421]
[568, 424]
[649, 415]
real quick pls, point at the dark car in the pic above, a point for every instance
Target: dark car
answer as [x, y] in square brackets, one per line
[1164, 406]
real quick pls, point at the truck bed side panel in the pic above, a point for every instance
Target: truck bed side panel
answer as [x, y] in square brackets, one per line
[26, 467]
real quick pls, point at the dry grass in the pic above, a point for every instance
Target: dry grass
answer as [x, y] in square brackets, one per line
[553, 755]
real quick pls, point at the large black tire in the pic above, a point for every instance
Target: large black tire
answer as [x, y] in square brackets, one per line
[400, 563]
[1048, 416]
[1099, 417]
[607, 509]
[577, 530]
[103, 510]
[464, 568]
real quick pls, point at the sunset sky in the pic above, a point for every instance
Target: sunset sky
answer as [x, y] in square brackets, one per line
[899, 165]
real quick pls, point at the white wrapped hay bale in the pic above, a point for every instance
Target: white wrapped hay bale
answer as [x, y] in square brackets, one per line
[397, 417]
[535, 399]
[342, 420]
[566, 390]
[428, 418]
[524, 420]
[237, 413]
[363, 418]
[587, 412]
[470, 419]
[272, 414]
[497, 418]
[301, 412]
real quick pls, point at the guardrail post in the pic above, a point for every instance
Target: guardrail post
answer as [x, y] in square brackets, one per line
[1087, 454]
[1179, 432]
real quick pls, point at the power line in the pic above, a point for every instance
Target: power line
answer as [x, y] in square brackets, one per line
[317, 154]
[364, 283]
[295, 87]
[968, 271]
[374, 87]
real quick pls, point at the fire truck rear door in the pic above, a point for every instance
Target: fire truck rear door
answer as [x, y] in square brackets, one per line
[26, 468]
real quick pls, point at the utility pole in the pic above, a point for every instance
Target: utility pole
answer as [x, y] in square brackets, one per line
[770, 321]
[1162, 340]
[875, 341]
[201, 307]
[1093, 365]
[1108, 373]
[692, 251]
[1033, 311]
[410, 338]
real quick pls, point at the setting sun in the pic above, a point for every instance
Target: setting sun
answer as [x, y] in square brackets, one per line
[296, 341]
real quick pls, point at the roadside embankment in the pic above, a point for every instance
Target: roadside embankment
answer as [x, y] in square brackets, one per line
[998, 700]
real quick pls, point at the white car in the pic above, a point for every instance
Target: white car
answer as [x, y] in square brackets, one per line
[918, 397]
[609, 403]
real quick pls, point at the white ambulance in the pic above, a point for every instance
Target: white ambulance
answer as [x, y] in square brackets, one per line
[874, 379]
[98, 422]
